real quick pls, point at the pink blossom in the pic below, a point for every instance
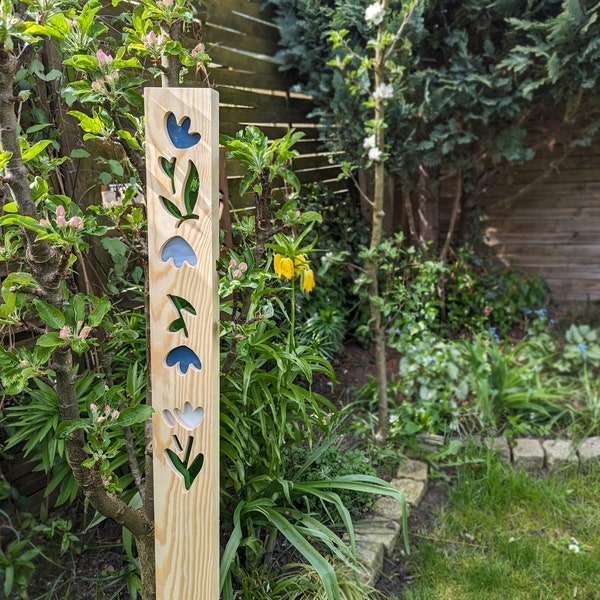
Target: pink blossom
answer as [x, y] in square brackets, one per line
[104, 59]
[98, 85]
[101, 418]
[242, 266]
[93, 407]
[65, 332]
[61, 221]
[149, 39]
[85, 332]
[44, 222]
[115, 414]
[237, 274]
[60, 211]
[197, 50]
[107, 409]
[76, 222]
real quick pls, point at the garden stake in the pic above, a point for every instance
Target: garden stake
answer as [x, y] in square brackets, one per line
[182, 157]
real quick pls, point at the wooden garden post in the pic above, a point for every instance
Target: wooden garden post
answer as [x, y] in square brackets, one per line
[182, 156]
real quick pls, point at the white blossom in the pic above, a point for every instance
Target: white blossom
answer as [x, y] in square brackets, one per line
[369, 142]
[374, 13]
[375, 154]
[384, 91]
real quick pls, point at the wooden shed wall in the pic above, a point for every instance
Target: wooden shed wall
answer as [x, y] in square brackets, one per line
[554, 228]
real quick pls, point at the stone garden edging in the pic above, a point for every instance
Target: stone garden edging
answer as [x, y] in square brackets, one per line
[380, 530]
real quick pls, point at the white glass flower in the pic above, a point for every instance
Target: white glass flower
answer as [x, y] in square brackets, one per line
[189, 417]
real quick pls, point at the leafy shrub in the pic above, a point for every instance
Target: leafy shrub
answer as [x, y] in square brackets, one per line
[482, 294]
[329, 462]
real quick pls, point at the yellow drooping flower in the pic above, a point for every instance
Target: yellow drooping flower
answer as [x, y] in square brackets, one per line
[283, 266]
[308, 280]
[300, 263]
[277, 264]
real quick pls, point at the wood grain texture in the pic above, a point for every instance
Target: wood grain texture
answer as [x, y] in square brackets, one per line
[187, 521]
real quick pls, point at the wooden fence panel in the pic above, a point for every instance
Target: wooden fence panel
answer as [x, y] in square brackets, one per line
[242, 41]
[554, 228]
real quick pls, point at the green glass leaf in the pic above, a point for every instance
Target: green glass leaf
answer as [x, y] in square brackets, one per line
[172, 208]
[192, 187]
[182, 304]
[169, 168]
[196, 466]
[177, 325]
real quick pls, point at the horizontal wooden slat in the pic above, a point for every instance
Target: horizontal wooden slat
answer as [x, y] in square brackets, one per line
[229, 59]
[230, 76]
[221, 9]
[239, 31]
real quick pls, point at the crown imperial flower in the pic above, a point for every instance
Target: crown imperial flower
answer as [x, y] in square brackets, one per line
[308, 280]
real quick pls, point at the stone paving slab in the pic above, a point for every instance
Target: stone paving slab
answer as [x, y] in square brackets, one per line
[413, 490]
[370, 555]
[387, 508]
[528, 454]
[499, 445]
[378, 530]
[412, 469]
[559, 453]
[589, 449]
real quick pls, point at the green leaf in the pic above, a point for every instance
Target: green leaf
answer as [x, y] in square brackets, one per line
[9, 577]
[116, 167]
[312, 555]
[31, 152]
[177, 325]
[196, 466]
[50, 340]
[246, 182]
[182, 304]
[51, 315]
[87, 123]
[133, 415]
[80, 153]
[98, 313]
[66, 428]
[130, 139]
[4, 159]
[22, 221]
[11, 207]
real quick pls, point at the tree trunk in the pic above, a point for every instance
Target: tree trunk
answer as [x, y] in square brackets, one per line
[372, 266]
[428, 214]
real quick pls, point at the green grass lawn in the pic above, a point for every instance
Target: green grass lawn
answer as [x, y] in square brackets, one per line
[505, 535]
